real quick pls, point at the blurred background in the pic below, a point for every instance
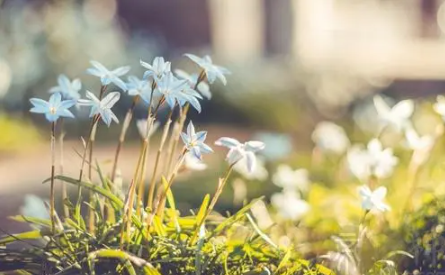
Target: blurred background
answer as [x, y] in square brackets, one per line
[294, 63]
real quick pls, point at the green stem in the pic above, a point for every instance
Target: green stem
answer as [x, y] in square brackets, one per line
[158, 157]
[123, 133]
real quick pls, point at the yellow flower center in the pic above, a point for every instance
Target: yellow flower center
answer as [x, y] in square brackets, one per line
[52, 110]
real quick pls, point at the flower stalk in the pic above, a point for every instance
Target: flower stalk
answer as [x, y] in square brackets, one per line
[124, 129]
[53, 168]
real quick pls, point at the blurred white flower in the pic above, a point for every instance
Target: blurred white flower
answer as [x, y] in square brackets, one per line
[373, 199]
[330, 137]
[289, 205]
[259, 171]
[67, 88]
[141, 124]
[291, 180]
[278, 145]
[439, 106]
[371, 161]
[359, 162]
[34, 206]
[416, 142]
[397, 116]
[193, 163]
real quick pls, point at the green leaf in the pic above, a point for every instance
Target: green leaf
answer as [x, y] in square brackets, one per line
[30, 235]
[32, 220]
[262, 235]
[231, 220]
[125, 258]
[117, 203]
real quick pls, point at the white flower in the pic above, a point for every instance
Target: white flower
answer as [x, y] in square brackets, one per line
[34, 206]
[439, 106]
[359, 162]
[373, 161]
[141, 124]
[330, 137]
[382, 160]
[418, 143]
[212, 71]
[68, 89]
[258, 173]
[373, 199]
[158, 69]
[291, 180]
[102, 107]
[289, 205]
[177, 91]
[202, 87]
[193, 163]
[240, 151]
[397, 116]
[138, 87]
[194, 142]
[106, 76]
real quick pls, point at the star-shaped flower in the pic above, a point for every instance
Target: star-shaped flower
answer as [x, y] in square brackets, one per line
[202, 87]
[54, 108]
[158, 69]
[194, 142]
[102, 107]
[239, 151]
[177, 91]
[373, 199]
[141, 88]
[106, 76]
[397, 116]
[212, 71]
[68, 89]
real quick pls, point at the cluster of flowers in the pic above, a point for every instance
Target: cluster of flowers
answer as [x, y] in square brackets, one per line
[374, 162]
[158, 85]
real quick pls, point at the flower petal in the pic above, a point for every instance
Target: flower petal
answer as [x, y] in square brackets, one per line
[227, 142]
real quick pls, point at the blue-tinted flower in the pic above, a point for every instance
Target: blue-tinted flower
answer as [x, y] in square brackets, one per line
[34, 206]
[212, 71]
[239, 151]
[54, 108]
[373, 199]
[107, 76]
[194, 142]
[158, 69]
[139, 87]
[102, 107]
[68, 89]
[202, 87]
[177, 91]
